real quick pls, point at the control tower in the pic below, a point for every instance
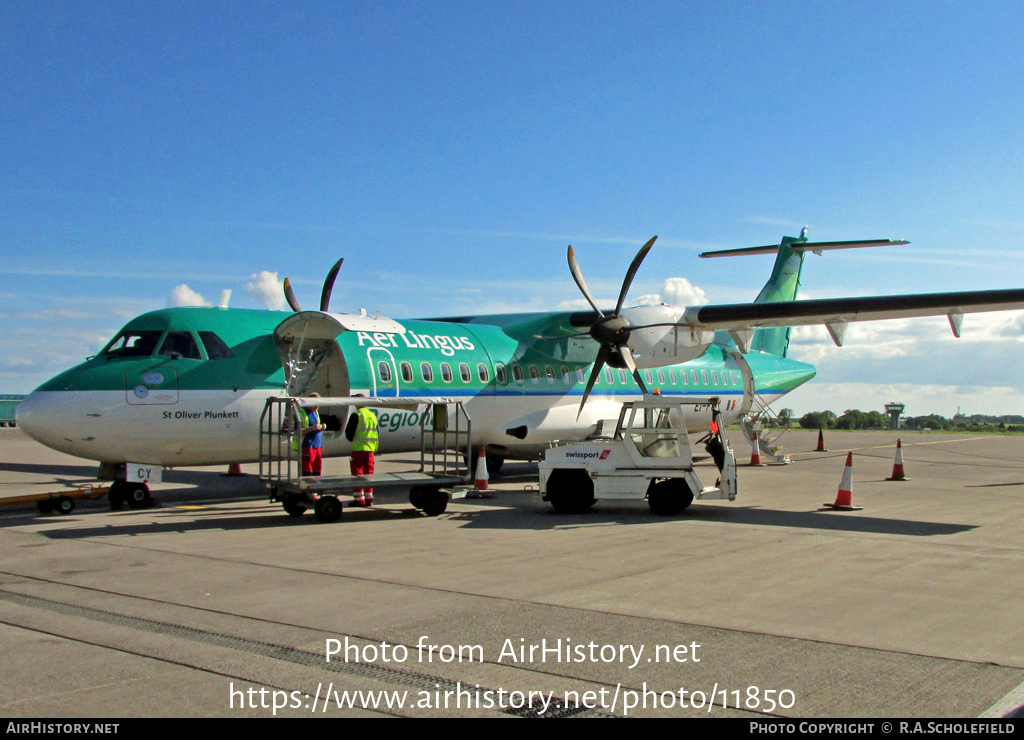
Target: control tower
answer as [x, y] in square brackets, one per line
[894, 409]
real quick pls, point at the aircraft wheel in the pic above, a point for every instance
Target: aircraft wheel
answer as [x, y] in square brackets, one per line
[116, 495]
[570, 491]
[64, 505]
[293, 506]
[669, 497]
[327, 509]
[45, 506]
[137, 495]
[494, 463]
[435, 503]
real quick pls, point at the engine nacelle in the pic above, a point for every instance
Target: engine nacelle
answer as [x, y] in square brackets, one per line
[664, 345]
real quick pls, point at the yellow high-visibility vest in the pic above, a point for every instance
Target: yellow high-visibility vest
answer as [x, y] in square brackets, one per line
[366, 437]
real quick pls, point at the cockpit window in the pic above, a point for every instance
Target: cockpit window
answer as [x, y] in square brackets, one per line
[216, 349]
[180, 345]
[133, 344]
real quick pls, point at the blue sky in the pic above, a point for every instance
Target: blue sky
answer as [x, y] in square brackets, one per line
[450, 151]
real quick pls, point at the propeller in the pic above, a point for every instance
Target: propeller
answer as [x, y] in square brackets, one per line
[325, 295]
[611, 332]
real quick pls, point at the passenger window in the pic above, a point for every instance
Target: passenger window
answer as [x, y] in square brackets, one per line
[672, 377]
[534, 374]
[481, 370]
[622, 376]
[446, 372]
[566, 378]
[464, 372]
[704, 376]
[499, 370]
[549, 373]
[216, 349]
[580, 377]
[725, 378]
[384, 371]
[608, 375]
[714, 377]
[406, 372]
[180, 345]
[648, 378]
[427, 372]
[517, 374]
[693, 377]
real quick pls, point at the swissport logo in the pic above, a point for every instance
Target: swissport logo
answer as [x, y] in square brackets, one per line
[603, 455]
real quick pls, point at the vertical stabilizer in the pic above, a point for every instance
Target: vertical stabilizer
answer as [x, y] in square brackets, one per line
[781, 286]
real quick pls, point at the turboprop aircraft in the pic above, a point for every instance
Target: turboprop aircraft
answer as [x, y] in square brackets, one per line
[186, 386]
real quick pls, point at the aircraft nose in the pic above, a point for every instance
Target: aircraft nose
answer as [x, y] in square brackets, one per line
[39, 415]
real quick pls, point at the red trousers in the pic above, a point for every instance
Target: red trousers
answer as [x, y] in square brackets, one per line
[361, 463]
[312, 460]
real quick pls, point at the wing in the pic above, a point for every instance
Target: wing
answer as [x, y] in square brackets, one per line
[740, 319]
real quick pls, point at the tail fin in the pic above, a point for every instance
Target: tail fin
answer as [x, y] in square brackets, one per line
[785, 279]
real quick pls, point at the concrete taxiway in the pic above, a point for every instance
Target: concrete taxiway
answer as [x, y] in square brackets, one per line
[217, 603]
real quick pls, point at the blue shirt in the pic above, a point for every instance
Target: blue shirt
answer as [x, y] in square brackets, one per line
[312, 440]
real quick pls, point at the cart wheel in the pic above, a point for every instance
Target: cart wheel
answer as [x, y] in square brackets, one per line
[293, 506]
[570, 491]
[64, 505]
[669, 497]
[116, 495]
[45, 506]
[434, 502]
[327, 509]
[137, 495]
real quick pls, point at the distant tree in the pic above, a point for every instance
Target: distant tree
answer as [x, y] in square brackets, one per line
[786, 417]
[815, 419]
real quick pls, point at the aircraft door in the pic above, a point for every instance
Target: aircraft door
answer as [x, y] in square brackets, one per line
[748, 383]
[383, 373]
[311, 356]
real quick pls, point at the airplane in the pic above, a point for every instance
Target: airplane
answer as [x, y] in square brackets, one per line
[186, 386]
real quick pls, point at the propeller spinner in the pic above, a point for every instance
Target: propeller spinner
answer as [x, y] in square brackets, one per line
[611, 332]
[325, 295]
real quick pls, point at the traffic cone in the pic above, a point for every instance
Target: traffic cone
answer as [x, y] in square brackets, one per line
[897, 467]
[234, 470]
[844, 499]
[755, 454]
[821, 441]
[481, 477]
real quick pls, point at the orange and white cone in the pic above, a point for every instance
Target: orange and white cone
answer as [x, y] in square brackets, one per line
[897, 466]
[234, 469]
[821, 441]
[481, 477]
[755, 454]
[844, 499]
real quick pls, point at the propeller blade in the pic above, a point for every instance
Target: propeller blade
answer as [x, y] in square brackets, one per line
[598, 366]
[290, 296]
[631, 273]
[574, 268]
[325, 296]
[627, 355]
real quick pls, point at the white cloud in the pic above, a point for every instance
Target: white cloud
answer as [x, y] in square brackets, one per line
[267, 289]
[676, 291]
[182, 295]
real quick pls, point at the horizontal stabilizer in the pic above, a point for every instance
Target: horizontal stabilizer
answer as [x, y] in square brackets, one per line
[798, 246]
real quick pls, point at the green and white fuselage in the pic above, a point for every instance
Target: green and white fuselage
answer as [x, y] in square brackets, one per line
[167, 408]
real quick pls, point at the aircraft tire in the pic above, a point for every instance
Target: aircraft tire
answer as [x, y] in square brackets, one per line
[669, 497]
[327, 509]
[64, 505]
[293, 506]
[570, 491]
[116, 495]
[137, 495]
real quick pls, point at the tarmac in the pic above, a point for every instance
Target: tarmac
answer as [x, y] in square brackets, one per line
[216, 603]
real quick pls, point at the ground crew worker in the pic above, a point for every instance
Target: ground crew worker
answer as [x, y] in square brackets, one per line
[361, 431]
[312, 442]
